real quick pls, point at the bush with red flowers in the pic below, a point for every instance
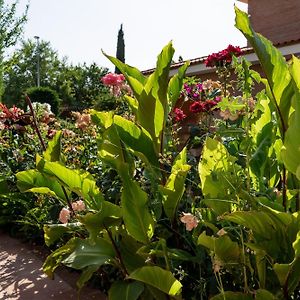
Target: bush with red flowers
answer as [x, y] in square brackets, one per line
[223, 57]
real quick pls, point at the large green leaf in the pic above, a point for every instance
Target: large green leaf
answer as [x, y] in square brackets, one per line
[85, 253]
[151, 94]
[137, 139]
[225, 249]
[101, 118]
[35, 182]
[53, 151]
[175, 84]
[174, 188]
[274, 66]
[125, 290]
[289, 274]
[77, 181]
[158, 278]
[136, 215]
[219, 175]
[55, 258]
[53, 232]
[109, 214]
[291, 148]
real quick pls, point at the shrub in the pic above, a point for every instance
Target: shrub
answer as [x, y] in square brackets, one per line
[44, 95]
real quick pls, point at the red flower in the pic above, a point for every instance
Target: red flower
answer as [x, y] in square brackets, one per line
[197, 107]
[179, 115]
[223, 57]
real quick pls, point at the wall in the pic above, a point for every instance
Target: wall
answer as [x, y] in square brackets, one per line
[278, 20]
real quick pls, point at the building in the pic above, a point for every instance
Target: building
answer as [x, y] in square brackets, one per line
[278, 20]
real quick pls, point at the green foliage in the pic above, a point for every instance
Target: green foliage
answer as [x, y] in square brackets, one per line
[44, 95]
[11, 27]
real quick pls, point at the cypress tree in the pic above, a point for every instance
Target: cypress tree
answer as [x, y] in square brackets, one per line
[120, 48]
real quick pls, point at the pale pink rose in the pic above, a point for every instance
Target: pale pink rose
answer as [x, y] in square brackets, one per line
[64, 215]
[189, 220]
[83, 121]
[78, 205]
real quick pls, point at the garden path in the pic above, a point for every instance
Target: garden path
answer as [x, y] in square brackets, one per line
[22, 278]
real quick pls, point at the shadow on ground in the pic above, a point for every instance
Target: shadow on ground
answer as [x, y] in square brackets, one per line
[21, 276]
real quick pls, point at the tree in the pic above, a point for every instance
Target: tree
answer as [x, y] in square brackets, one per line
[21, 71]
[11, 28]
[78, 86]
[120, 48]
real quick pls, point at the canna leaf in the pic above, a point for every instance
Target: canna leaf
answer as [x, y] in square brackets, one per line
[159, 278]
[125, 290]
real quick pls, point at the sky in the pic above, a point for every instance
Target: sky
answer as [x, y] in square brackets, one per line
[79, 29]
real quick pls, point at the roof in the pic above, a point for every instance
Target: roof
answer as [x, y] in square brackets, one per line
[245, 51]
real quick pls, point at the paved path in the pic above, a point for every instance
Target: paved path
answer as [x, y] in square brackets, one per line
[21, 276]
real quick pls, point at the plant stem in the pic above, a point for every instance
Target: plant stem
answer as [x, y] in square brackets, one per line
[35, 124]
[284, 189]
[118, 253]
[37, 130]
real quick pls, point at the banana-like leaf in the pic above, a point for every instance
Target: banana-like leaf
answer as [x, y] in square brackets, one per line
[137, 218]
[291, 148]
[53, 151]
[219, 175]
[289, 274]
[109, 214]
[175, 84]
[55, 258]
[54, 232]
[125, 290]
[101, 118]
[174, 188]
[85, 253]
[80, 182]
[36, 182]
[151, 93]
[159, 278]
[137, 139]
[274, 66]
[225, 249]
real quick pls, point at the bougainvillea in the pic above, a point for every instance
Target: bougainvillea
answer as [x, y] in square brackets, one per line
[223, 57]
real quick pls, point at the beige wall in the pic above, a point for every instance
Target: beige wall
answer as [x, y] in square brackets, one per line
[278, 20]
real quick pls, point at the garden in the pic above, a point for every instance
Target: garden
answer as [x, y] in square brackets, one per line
[187, 189]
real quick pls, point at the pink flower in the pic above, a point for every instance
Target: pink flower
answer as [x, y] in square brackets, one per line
[78, 205]
[189, 220]
[113, 79]
[64, 215]
[179, 115]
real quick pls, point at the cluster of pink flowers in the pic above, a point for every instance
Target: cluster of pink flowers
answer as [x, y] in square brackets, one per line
[65, 214]
[189, 220]
[117, 83]
[112, 79]
[9, 116]
[83, 121]
[179, 115]
[223, 58]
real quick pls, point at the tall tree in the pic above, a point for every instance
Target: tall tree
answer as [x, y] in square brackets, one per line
[120, 48]
[11, 27]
